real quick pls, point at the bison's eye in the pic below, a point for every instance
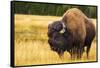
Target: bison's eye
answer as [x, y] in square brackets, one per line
[62, 31]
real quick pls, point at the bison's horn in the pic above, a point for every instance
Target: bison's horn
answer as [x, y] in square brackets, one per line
[63, 30]
[64, 26]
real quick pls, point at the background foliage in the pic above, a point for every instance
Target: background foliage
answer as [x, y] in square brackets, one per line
[51, 9]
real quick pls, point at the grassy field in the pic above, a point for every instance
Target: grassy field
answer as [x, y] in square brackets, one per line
[31, 46]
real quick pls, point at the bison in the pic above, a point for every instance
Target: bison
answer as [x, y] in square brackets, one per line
[78, 32]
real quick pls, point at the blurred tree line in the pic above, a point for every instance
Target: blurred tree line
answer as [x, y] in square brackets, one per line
[50, 9]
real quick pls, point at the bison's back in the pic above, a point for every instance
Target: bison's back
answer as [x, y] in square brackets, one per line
[74, 20]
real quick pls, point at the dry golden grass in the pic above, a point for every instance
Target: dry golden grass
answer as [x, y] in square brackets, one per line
[31, 46]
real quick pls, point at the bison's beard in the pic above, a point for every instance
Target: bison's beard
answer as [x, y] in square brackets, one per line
[58, 44]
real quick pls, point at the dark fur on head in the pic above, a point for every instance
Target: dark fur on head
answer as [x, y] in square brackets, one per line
[53, 28]
[58, 41]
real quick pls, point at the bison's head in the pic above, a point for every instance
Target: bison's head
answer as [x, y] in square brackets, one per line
[57, 37]
[54, 28]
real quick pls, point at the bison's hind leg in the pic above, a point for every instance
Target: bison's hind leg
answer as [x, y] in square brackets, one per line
[88, 50]
[72, 53]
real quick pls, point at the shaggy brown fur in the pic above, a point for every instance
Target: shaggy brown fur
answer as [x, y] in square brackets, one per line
[79, 33]
[74, 20]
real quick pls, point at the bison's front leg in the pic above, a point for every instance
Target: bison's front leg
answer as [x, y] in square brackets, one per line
[72, 53]
[80, 50]
[60, 53]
